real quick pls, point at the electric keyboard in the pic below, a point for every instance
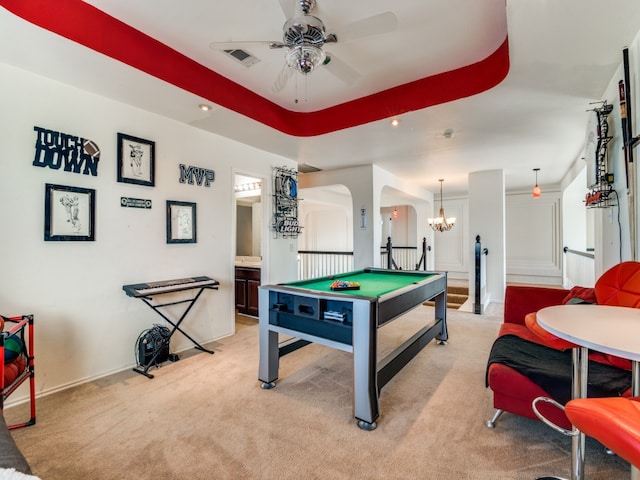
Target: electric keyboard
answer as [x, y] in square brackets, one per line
[167, 286]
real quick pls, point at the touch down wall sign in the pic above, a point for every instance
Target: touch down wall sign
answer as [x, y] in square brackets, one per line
[74, 154]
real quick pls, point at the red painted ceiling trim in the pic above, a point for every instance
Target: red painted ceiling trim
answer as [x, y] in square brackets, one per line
[82, 23]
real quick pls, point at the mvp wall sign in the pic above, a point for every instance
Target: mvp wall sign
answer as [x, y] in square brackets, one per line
[196, 175]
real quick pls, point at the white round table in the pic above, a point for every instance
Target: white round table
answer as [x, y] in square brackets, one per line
[607, 329]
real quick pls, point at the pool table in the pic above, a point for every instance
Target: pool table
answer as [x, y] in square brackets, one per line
[311, 311]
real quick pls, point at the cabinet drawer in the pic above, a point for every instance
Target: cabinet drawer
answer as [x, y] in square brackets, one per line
[248, 273]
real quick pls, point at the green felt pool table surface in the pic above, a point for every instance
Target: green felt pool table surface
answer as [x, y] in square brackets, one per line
[373, 283]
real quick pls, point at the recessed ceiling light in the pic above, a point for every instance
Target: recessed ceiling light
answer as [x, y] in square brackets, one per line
[395, 122]
[204, 107]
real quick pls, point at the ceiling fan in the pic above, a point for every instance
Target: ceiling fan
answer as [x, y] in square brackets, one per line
[304, 35]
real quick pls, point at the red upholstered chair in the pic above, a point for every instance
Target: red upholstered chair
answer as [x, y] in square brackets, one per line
[514, 392]
[614, 422]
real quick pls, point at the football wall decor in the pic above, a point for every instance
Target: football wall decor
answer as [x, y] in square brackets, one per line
[73, 153]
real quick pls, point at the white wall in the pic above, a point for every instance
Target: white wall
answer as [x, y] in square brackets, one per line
[452, 248]
[574, 214]
[487, 221]
[534, 238]
[612, 240]
[86, 326]
[417, 205]
[327, 218]
[359, 182]
[367, 185]
[257, 219]
[400, 228]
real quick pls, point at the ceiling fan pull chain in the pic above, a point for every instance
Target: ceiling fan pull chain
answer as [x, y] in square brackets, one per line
[306, 89]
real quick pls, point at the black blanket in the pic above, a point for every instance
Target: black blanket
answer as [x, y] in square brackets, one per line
[551, 369]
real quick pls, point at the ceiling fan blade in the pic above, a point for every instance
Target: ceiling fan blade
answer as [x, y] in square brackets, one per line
[374, 25]
[288, 7]
[244, 45]
[283, 78]
[341, 70]
[237, 45]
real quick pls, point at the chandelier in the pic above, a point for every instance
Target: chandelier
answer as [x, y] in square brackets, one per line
[441, 223]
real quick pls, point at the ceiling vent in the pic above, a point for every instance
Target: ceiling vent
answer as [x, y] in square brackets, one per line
[243, 57]
[306, 168]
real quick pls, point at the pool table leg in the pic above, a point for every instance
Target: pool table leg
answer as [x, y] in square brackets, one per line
[441, 313]
[365, 377]
[269, 353]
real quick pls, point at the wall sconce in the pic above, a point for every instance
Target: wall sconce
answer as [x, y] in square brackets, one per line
[536, 189]
[395, 212]
[441, 223]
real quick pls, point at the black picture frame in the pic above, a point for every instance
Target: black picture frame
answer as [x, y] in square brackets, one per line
[136, 160]
[69, 213]
[181, 222]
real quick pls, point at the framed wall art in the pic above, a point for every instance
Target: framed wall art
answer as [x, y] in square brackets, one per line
[136, 160]
[181, 222]
[69, 213]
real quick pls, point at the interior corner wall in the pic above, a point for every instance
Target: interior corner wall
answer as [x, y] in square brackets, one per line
[534, 238]
[366, 208]
[366, 185]
[420, 199]
[85, 325]
[487, 221]
[244, 231]
[612, 226]
[257, 219]
[327, 219]
[451, 249]
[634, 101]
[574, 214]
[400, 228]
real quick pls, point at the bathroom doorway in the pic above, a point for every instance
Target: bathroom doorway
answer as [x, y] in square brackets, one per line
[248, 255]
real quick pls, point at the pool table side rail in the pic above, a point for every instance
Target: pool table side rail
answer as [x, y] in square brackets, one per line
[310, 283]
[409, 297]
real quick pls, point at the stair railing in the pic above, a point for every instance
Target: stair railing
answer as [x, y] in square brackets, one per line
[480, 275]
[391, 263]
[423, 258]
[398, 258]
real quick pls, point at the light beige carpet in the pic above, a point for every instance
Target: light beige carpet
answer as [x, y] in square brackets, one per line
[206, 417]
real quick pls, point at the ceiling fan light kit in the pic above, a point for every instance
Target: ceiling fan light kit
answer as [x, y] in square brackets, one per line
[305, 58]
[304, 35]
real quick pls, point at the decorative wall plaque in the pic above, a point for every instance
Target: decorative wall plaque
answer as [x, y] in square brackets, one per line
[285, 203]
[71, 153]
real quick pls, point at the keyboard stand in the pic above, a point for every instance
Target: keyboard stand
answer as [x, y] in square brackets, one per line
[176, 326]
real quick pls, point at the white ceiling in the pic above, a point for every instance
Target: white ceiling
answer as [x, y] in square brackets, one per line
[563, 54]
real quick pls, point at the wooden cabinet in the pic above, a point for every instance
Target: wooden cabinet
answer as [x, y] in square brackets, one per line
[247, 283]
